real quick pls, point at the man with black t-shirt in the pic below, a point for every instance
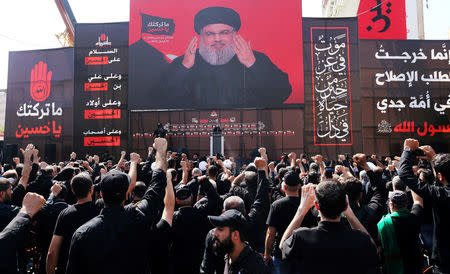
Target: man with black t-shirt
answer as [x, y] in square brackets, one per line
[281, 213]
[69, 220]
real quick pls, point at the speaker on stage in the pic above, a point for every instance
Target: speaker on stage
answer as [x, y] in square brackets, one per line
[50, 153]
[10, 152]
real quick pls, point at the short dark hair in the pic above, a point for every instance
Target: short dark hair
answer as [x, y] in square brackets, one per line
[81, 184]
[4, 184]
[313, 177]
[330, 195]
[234, 202]
[398, 183]
[213, 171]
[441, 164]
[353, 188]
[139, 189]
[282, 172]
[172, 163]
[427, 175]
[251, 178]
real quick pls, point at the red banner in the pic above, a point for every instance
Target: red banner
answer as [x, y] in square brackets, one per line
[102, 141]
[102, 114]
[96, 86]
[378, 19]
[101, 60]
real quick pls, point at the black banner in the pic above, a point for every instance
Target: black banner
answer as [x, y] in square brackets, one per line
[405, 86]
[331, 81]
[244, 131]
[101, 87]
[39, 101]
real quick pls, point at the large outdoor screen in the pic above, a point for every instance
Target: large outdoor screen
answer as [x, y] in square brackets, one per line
[201, 54]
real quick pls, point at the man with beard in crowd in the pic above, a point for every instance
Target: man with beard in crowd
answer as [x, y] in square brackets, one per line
[224, 71]
[229, 239]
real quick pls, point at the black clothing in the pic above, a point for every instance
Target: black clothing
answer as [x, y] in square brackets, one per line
[116, 241]
[45, 225]
[211, 262]
[11, 241]
[440, 199]
[248, 262]
[255, 223]
[370, 214]
[280, 216]
[68, 221]
[159, 251]
[227, 86]
[407, 232]
[190, 226]
[7, 213]
[41, 185]
[330, 248]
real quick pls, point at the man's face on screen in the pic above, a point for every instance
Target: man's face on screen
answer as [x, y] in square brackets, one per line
[215, 44]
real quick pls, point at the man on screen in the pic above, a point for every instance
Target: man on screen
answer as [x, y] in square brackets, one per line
[224, 71]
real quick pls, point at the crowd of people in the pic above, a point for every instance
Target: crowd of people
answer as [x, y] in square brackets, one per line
[170, 213]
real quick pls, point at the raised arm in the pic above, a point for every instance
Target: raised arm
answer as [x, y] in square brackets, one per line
[153, 200]
[134, 159]
[169, 199]
[307, 201]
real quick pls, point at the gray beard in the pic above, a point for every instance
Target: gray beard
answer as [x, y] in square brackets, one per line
[216, 58]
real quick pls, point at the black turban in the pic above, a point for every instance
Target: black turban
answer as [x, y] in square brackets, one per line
[216, 15]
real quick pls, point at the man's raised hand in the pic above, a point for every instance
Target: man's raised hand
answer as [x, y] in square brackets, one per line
[189, 55]
[31, 203]
[243, 51]
[260, 163]
[160, 144]
[429, 153]
[134, 157]
[308, 196]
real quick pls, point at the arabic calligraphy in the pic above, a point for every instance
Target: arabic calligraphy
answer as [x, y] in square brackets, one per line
[102, 114]
[441, 55]
[99, 103]
[101, 141]
[427, 128]
[102, 132]
[48, 129]
[331, 86]
[30, 110]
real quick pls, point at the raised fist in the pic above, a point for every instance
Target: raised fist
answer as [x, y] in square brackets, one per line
[413, 144]
[40, 82]
[262, 150]
[31, 203]
[292, 155]
[134, 157]
[160, 144]
[260, 163]
[56, 189]
[360, 159]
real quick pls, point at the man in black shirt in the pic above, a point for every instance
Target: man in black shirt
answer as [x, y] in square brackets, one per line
[190, 226]
[69, 220]
[45, 221]
[331, 247]
[438, 195]
[401, 248]
[13, 236]
[280, 215]
[229, 238]
[116, 241]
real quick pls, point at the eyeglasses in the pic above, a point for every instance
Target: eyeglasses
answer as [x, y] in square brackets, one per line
[222, 33]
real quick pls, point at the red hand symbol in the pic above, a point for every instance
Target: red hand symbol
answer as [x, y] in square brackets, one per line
[40, 82]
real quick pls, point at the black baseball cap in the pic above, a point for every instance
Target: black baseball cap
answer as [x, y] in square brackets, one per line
[115, 182]
[231, 218]
[291, 178]
[183, 192]
[398, 198]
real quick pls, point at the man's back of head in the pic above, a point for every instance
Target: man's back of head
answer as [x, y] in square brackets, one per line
[441, 164]
[331, 199]
[81, 185]
[114, 187]
[398, 184]
[352, 187]
[213, 171]
[234, 202]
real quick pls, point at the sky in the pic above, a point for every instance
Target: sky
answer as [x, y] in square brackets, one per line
[33, 24]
